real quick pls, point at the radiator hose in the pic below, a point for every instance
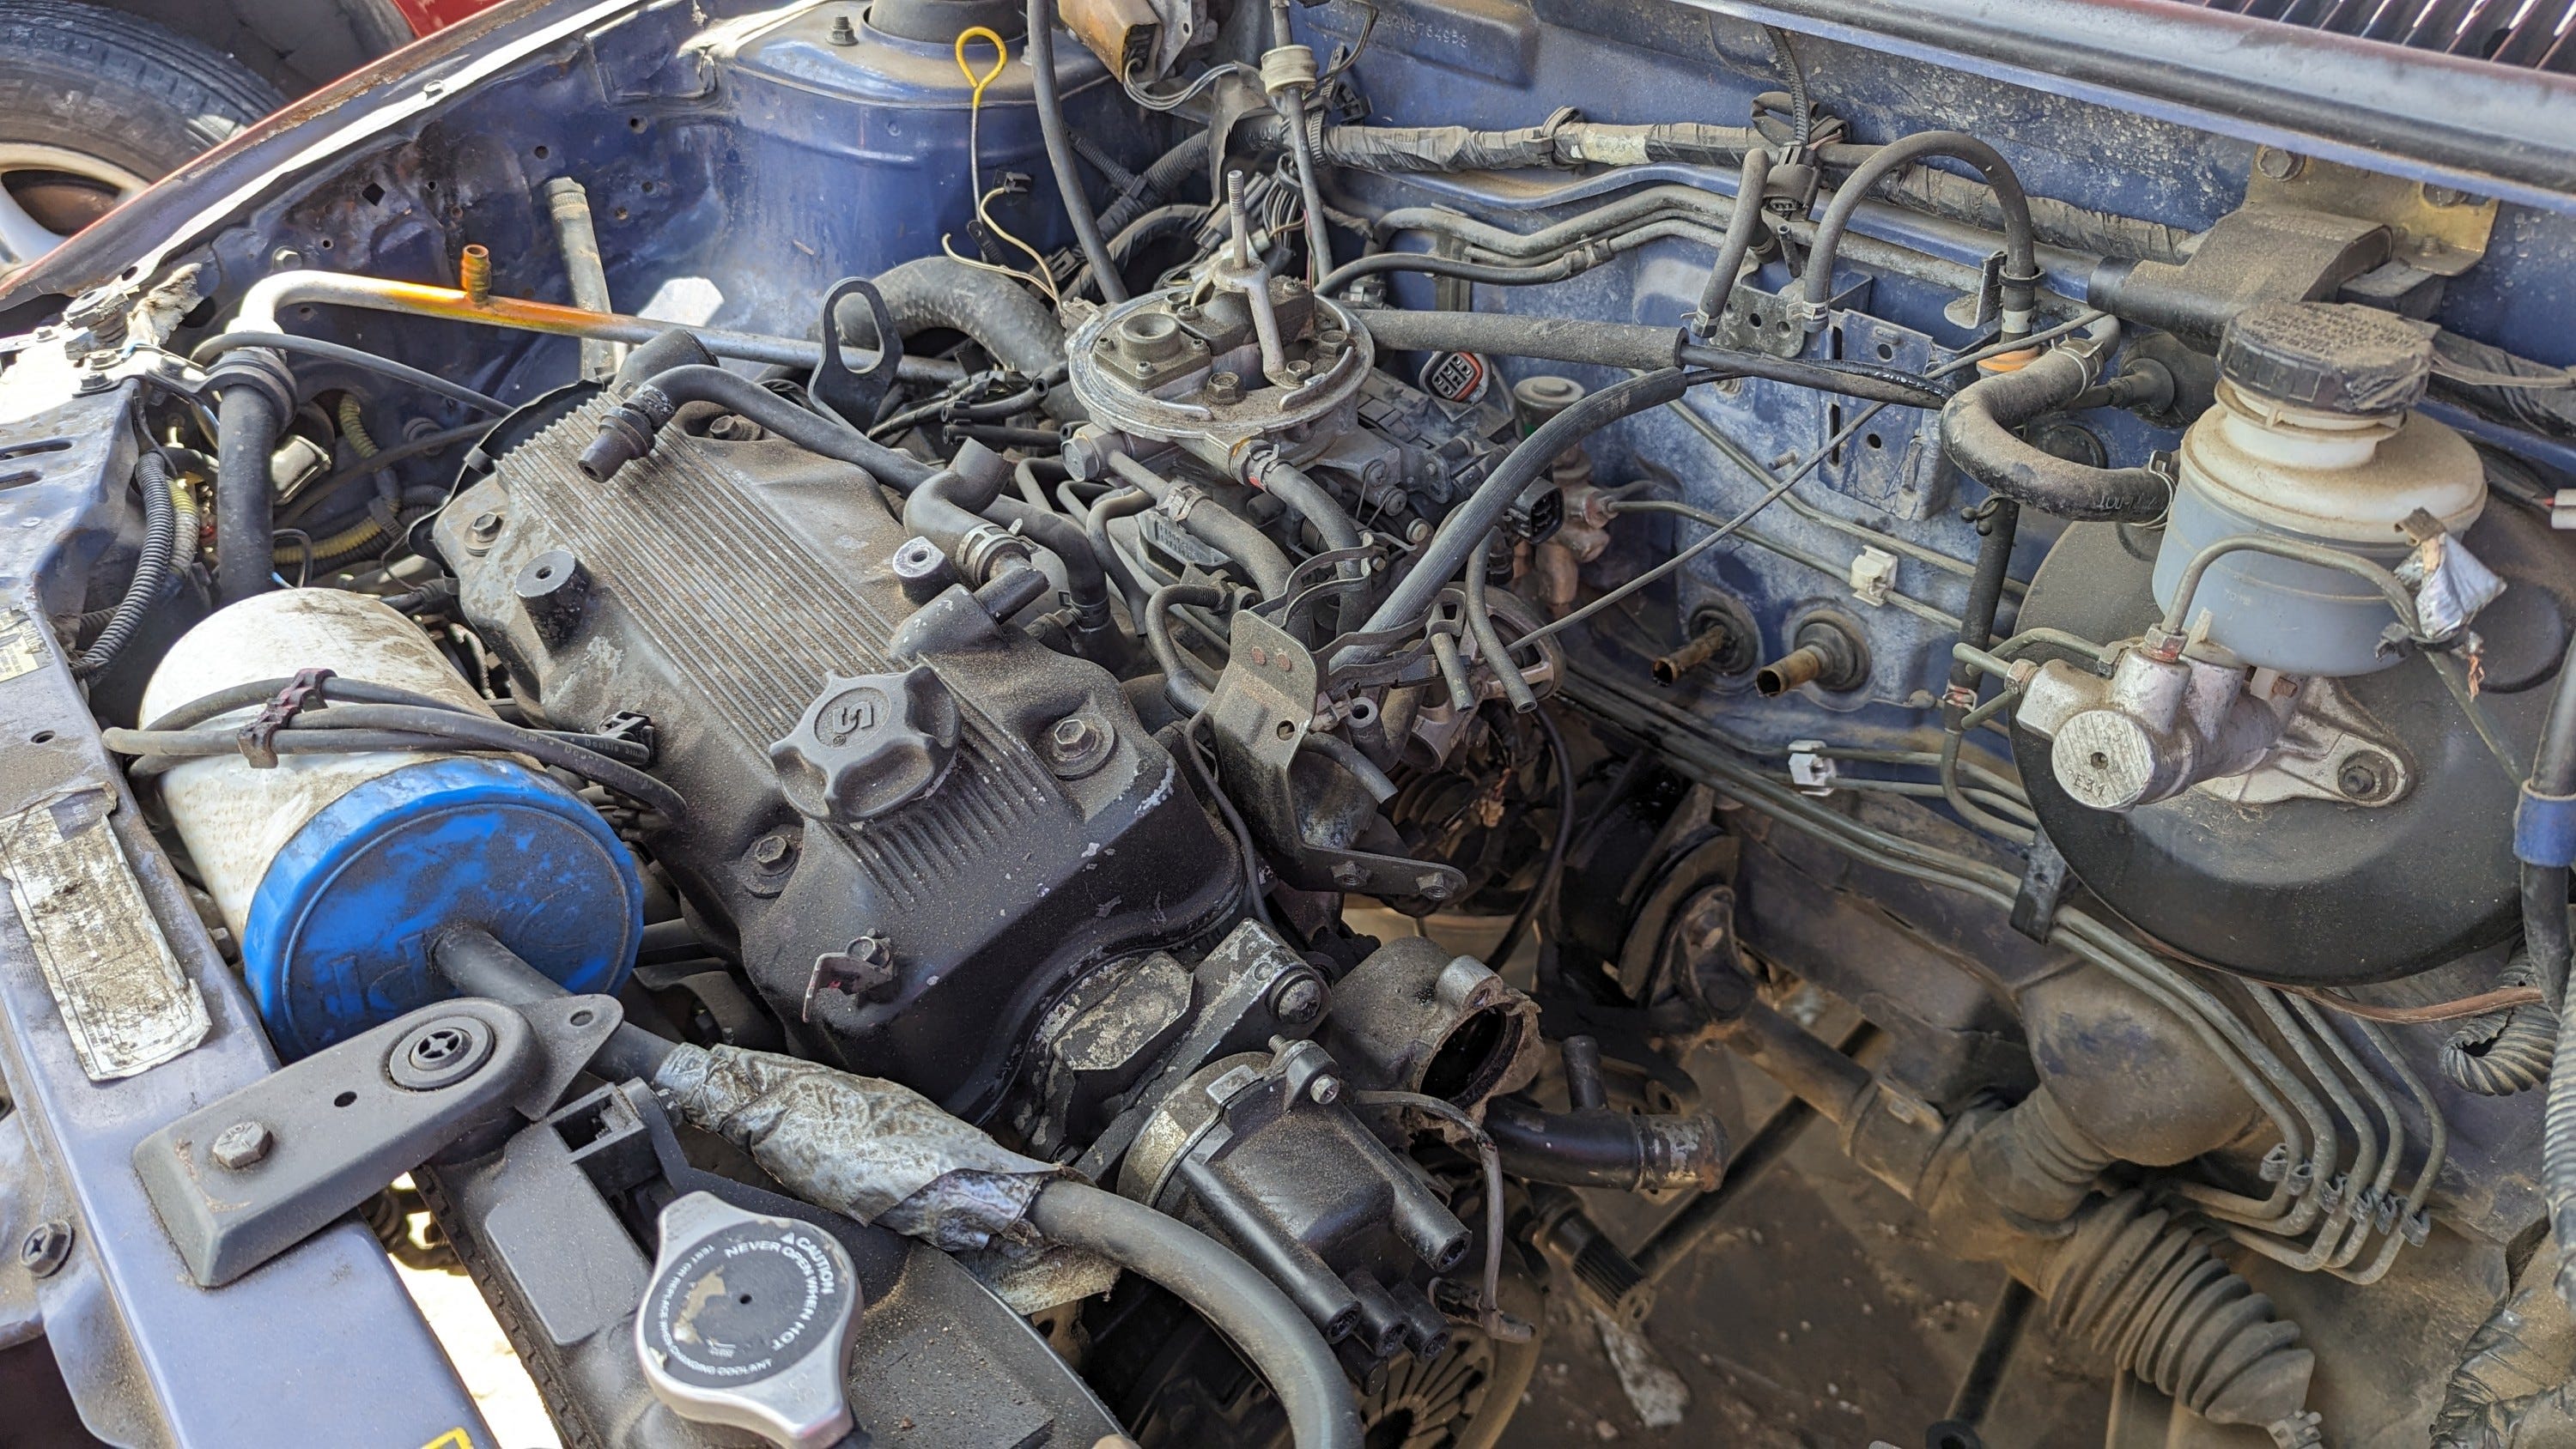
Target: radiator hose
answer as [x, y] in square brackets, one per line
[1249, 1309]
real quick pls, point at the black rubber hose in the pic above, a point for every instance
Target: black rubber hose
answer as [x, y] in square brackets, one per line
[1985, 596]
[1980, 431]
[151, 567]
[246, 426]
[1250, 1310]
[1740, 227]
[1432, 265]
[1059, 149]
[335, 690]
[384, 458]
[661, 352]
[477, 964]
[2544, 927]
[1180, 683]
[2021, 250]
[1160, 183]
[395, 726]
[940, 292]
[804, 427]
[1634, 347]
[1605, 1147]
[1308, 499]
[1123, 503]
[1222, 529]
[1560, 842]
[1469, 522]
[1864, 380]
[1084, 583]
[223, 342]
[1550, 339]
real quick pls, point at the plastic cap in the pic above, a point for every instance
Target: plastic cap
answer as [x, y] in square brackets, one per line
[2327, 356]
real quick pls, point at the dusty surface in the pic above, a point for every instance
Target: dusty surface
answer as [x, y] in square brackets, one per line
[1820, 1316]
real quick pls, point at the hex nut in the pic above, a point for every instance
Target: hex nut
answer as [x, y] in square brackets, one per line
[242, 1146]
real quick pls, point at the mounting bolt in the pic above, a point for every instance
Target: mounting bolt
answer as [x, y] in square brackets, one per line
[1077, 745]
[2444, 195]
[2278, 164]
[242, 1146]
[1223, 389]
[1298, 1000]
[2364, 775]
[770, 852]
[1350, 873]
[45, 1247]
[483, 531]
[843, 32]
[1323, 1090]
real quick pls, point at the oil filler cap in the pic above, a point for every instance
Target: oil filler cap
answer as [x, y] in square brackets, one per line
[2329, 357]
[868, 746]
[748, 1322]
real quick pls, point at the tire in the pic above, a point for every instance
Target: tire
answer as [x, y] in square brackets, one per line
[94, 105]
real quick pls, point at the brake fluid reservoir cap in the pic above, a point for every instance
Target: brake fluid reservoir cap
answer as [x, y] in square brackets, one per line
[2327, 357]
[748, 1321]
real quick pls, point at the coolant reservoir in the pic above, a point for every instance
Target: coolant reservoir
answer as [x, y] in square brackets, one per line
[2312, 439]
[334, 871]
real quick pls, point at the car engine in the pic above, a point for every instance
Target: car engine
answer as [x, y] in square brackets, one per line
[1144, 721]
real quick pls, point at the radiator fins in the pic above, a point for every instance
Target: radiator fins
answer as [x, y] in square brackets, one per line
[2146, 1291]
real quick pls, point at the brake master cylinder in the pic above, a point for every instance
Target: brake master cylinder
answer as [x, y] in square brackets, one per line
[2312, 440]
[335, 870]
[2313, 446]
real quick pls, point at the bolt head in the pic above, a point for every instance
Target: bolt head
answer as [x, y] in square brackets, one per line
[770, 851]
[2444, 195]
[1300, 999]
[2278, 164]
[1323, 1090]
[2362, 776]
[45, 1248]
[241, 1146]
[485, 527]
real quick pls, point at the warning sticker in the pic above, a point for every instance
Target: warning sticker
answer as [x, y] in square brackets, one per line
[22, 644]
[124, 1000]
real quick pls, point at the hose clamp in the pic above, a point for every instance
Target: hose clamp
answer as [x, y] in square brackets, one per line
[1177, 504]
[258, 739]
[1809, 315]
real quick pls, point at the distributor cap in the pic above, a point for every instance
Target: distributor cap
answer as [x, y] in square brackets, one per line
[2328, 357]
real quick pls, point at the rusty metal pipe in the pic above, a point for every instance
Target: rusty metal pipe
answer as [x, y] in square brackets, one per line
[276, 292]
[1718, 638]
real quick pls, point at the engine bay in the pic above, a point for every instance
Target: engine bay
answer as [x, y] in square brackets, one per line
[1125, 720]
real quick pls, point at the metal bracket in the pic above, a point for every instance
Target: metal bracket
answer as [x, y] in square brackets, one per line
[240, 1181]
[2438, 229]
[1261, 710]
[854, 394]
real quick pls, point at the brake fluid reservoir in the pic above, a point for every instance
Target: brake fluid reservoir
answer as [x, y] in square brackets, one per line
[334, 871]
[2312, 439]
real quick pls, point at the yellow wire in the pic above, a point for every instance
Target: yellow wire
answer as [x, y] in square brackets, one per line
[975, 165]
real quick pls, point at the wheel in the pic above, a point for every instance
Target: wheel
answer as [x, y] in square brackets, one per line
[94, 106]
